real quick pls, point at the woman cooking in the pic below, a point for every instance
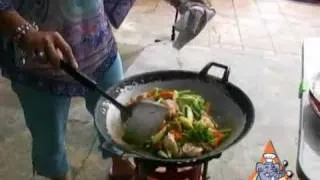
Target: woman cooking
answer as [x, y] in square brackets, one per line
[35, 36]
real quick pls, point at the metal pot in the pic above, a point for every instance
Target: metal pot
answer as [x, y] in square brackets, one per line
[314, 94]
[231, 108]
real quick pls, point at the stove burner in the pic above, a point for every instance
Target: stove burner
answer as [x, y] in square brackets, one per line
[155, 170]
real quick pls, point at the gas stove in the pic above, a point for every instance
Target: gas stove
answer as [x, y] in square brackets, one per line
[155, 170]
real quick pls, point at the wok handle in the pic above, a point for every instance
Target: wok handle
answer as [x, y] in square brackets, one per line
[79, 76]
[204, 72]
[108, 146]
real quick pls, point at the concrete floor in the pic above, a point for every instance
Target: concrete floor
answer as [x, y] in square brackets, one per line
[257, 33]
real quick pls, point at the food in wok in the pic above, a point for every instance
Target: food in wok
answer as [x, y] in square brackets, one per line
[188, 129]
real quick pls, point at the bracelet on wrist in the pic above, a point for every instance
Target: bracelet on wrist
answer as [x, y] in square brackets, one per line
[22, 30]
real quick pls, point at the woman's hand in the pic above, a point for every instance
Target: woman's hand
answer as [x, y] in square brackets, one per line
[49, 44]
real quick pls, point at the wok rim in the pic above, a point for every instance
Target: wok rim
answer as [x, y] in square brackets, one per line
[249, 115]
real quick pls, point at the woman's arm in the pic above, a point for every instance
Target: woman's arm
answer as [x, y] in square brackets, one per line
[117, 10]
[9, 21]
[33, 41]
[9, 18]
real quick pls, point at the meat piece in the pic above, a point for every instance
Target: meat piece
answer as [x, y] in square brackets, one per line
[205, 120]
[206, 147]
[190, 150]
[173, 107]
[142, 96]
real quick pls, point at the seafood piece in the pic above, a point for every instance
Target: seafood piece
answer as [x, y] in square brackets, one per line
[173, 107]
[170, 144]
[191, 150]
[206, 121]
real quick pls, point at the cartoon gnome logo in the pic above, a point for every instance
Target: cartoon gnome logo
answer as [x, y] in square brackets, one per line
[270, 166]
[269, 170]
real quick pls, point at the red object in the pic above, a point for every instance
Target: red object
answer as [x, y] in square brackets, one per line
[166, 95]
[153, 172]
[193, 173]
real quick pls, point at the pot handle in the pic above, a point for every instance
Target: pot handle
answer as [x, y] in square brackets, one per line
[108, 146]
[204, 72]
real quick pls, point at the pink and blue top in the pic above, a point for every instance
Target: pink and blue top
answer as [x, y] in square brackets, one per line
[84, 24]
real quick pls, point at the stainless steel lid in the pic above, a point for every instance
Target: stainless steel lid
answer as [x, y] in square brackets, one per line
[315, 94]
[315, 86]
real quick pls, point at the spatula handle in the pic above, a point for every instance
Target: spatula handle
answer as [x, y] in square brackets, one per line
[90, 84]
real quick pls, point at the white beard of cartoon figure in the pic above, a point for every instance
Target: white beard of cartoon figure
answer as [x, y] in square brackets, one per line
[269, 171]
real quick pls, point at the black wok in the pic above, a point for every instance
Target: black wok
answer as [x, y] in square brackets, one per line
[231, 108]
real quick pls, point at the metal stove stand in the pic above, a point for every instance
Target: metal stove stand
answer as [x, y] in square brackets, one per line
[146, 168]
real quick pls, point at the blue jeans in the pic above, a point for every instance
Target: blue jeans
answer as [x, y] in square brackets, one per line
[46, 117]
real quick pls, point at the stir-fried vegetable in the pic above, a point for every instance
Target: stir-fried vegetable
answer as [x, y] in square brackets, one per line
[170, 144]
[199, 133]
[188, 130]
[159, 136]
[186, 122]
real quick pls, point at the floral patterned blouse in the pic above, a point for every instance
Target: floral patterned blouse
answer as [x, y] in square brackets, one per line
[84, 24]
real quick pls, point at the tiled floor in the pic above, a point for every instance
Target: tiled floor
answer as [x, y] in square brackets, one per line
[254, 28]
[278, 26]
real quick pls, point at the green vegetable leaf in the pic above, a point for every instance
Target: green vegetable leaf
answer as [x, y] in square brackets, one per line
[182, 92]
[159, 136]
[185, 122]
[195, 102]
[199, 134]
[163, 154]
[189, 113]
[169, 154]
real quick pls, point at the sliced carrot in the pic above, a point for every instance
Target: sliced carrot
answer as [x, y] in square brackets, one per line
[177, 135]
[218, 136]
[166, 94]
[216, 132]
[218, 140]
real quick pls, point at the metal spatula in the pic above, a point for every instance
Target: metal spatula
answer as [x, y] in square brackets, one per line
[142, 119]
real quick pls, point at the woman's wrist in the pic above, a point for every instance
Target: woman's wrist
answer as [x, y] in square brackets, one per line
[15, 27]
[23, 31]
[10, 21]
